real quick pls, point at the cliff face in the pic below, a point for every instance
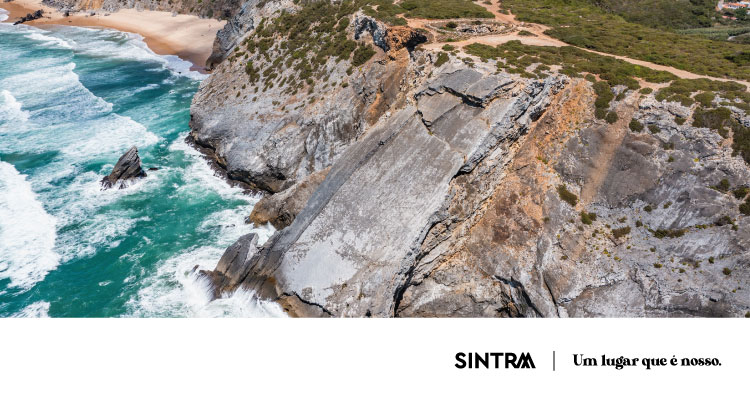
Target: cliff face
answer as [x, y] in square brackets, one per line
[455, 190]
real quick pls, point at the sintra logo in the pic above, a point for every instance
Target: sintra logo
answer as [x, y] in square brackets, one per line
[494, 360]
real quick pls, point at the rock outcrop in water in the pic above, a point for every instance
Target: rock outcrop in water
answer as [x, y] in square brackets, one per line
[127, 169]
[461, 191]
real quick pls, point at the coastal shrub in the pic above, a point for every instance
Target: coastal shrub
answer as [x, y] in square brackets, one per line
[724, 220]
[718, 119]
[657, 265]
[611, 117]
[362, 55]
[588, 218]
[635, 125]
[668, 233]
[705, 98]
[740, 193]
[567, 196]
[573, 62]
[448, 47]
[726, 271]
[581, 23]
[442, 58]
[620, 232]
[600, 113]
[443, 9]
[723, 185]
[745, 207]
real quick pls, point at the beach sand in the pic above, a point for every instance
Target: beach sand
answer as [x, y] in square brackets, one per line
[186, 36]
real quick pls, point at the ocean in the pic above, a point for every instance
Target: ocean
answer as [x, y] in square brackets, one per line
[72, 101]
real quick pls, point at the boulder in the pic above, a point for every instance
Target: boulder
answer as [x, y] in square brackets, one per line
[128, 168]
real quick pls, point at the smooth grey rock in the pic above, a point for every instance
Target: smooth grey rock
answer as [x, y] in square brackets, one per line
[280, 209]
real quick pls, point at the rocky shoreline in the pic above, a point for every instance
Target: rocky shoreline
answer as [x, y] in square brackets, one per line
[415, 184]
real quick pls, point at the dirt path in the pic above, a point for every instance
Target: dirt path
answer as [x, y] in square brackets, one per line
[541, 39]
[601, 162]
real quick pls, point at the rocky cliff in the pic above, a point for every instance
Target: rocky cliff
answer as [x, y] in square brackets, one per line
[450, 188]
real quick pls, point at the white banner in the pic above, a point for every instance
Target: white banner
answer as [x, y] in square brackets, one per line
[378, 359]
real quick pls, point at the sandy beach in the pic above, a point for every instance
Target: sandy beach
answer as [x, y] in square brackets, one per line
[187, 36]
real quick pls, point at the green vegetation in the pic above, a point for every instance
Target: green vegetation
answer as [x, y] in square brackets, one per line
[657, 265]
[745, 207]
[721, 33]
[718, 119]
[441, 9]
[525, 33]
[611, 117]
[442, 58]
[660, 14]
[635, 125]
[517, 57]
[726, 271]
[620, 232]
[723, 186]
[296, 46]
[582, 24]
[670, 233]
[448, 47]
[588, 218]
[740, 193]
[362, 55]
[725, 220]
[705, 99]
[301, 42]
[567, 196]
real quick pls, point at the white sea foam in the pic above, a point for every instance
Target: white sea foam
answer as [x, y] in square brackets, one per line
[48, 40]
[112, 135]
[125, 45]
[11, 110]
[97, 131]
[150, 86]
[27, 232]
[176, 289]
[40, 309]
[3, 14]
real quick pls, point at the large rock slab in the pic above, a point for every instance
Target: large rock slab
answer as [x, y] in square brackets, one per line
[351, 251]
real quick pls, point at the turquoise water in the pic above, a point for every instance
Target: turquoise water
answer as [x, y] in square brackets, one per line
[72, 100]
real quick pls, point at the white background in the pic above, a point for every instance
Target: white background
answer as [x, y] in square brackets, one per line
[364, 358]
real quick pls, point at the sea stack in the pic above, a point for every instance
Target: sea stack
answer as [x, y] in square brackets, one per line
[128, 168]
